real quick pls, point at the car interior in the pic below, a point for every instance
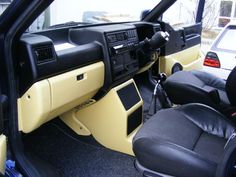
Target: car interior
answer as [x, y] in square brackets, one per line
[94, 100]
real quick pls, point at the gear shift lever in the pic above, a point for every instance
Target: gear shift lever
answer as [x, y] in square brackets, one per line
[161, 77]
[160, 94]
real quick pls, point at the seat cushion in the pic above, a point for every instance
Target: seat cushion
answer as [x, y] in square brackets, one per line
[184, 141]
[195, 87]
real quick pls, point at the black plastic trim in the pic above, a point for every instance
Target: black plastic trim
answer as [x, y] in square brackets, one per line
[146, 172]
[129, 96]
[181, 39]
[200, 10]
[177, 66]
[134, 120]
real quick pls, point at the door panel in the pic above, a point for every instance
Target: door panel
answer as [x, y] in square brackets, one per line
[182, 49]
[189, 59]
[3, 152]
[183, 21]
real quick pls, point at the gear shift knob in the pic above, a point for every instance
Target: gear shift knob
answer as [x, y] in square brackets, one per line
[159, 39]
[161, 77]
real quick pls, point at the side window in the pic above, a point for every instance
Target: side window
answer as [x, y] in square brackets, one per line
[4, 4]
[211, 14]
[182, 13]
[226, 8]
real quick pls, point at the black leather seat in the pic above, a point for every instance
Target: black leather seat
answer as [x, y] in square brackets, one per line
[201, 87]
[185, 141]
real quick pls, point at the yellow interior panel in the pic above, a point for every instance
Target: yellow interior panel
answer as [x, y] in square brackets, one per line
[34, 106]
[106, 120]
[190, 59]
[68, 92]
[51, 97]
[3, 153]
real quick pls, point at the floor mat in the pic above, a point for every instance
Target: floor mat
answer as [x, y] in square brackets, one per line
[76, 157]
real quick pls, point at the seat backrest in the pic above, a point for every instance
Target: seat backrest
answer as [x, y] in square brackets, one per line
[231, 87]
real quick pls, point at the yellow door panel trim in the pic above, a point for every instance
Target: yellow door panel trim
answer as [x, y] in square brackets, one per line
[3, 153]
[190, 58]
[106, 120]
[51, 97]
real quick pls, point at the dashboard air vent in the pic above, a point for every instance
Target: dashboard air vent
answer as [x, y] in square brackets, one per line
[44, 54]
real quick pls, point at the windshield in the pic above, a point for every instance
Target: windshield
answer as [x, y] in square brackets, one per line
[92, 12]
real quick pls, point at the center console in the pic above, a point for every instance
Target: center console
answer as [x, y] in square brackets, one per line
[122, 57]
[113, 121]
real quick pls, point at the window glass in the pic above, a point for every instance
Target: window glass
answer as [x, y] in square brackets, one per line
[226, 8]
[4, 4]
[181, 13]
[227, 41]
[211, 14]
[92, 12]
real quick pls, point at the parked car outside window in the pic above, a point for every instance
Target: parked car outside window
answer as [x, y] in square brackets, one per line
[221, 58]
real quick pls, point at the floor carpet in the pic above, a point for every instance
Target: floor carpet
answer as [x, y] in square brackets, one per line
[77, 156]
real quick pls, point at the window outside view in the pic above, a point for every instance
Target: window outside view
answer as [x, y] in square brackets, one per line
[91, 12]
[216, 14]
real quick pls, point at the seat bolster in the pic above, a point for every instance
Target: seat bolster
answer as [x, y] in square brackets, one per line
[165, 157]
[183, 93]
[210, 79]
[185, 77]
[208, 119]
